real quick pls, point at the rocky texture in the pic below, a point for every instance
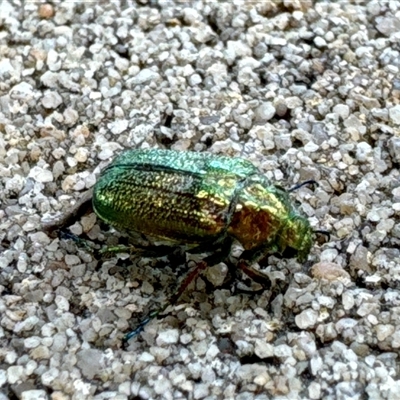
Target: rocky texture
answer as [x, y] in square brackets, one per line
[304, 90]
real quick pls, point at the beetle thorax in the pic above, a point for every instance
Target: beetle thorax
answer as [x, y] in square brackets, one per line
[260, 215]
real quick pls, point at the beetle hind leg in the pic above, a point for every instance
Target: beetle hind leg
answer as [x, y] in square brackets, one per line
[145, 251]
[190, 276]
[216, 257]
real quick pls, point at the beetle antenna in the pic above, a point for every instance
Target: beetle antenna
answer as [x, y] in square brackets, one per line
[309, 182]
[323, 232]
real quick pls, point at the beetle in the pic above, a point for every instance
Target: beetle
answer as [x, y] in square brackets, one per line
[203, 202]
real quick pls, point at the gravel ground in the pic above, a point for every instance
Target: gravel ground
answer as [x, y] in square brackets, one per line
[304, 90]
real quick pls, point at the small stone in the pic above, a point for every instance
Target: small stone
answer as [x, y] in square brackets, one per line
[46, 11]
[316, 365]
[90, 361]
[49, 79]
[39, 237]
[260, 50]
[394, 114]
[186, 338]
[342, 110]
[88, 222]
[348, 300]
[187, 70]
[59, 342]
[118, 126]
[283, 142]
[15, 184]
[51, 99]
[329, 271]
[311, 147]
[15, 374]
[72, 259]
[170, 336]
[40, 353]
[41, 175]
[81, 155]
[262, 349]
[22, 91]
[314, 390]
[200, 391]
[364, 151]
[161, 353]
[32, 342]
[277, 41]
[264, 112]
[283, 351]
[319, 41]
[162, 386]
[306, 319]
[49, 376]
[216, 274]
[144, 76]
[71, 116]
[281, 108]
[387, 25]
[361, 350]
[34, 395]
[195, 80]
[6, 67]
[293, 102]
[212, 352]
[355, 123]
[384, 331]
[146, 357]
[190, 16]
[394, 148]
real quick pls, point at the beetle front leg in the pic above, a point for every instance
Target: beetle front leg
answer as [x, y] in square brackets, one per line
[255, 275]
[250, 257]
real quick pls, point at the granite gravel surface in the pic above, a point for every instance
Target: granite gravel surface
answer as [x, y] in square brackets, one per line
[304, 90]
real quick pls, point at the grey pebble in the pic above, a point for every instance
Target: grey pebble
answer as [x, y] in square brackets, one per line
[51, 100]
[264, 112]
[388, 25]
[170, 336]
[34, 395]
[90, 362]
[394, 114]
[263, 349]
[306, 318]
[144, 76]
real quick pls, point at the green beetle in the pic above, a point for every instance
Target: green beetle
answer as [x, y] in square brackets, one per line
[204, 201]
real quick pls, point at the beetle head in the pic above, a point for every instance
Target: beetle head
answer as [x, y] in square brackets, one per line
[296, 238]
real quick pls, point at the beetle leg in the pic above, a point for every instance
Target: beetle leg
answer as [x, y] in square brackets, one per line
[190, 276]
[298, 186]
[83, 206]
[147, 252]
[221, 247]
[81, 243]
[254, 274]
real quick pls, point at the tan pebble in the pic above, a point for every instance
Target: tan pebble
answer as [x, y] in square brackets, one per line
[46, 11]
[329, 271]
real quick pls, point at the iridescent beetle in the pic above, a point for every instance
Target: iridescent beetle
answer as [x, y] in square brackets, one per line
[203, 201]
